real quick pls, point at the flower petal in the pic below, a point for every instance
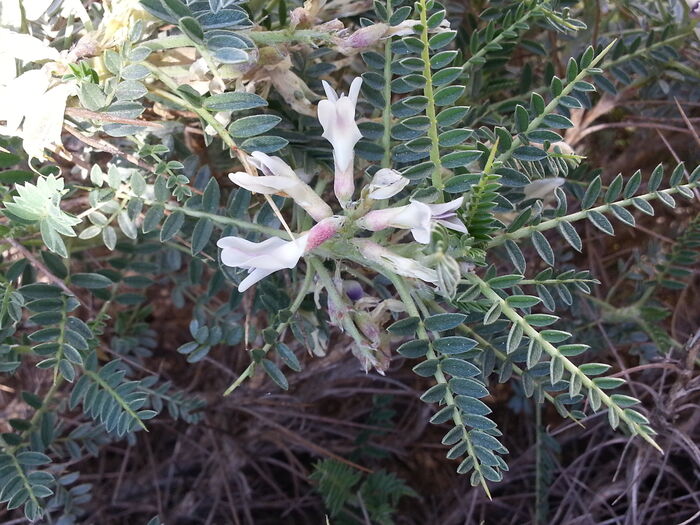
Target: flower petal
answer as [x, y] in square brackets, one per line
[386, 183]
[439, 210]
[266, 185]
[355, 90]
[330, 92]
[272, 165]
[255, 275]
[43, 122]
[416, 215]
[453, 223]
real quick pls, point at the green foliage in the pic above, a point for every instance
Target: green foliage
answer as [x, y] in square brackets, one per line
[40, 205]
[469, 109]
[345, 491]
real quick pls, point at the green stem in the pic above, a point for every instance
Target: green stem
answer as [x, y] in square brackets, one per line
[336, 298]
[439, 376]
[248, 372]
[221, 131]
[107, 388]
[554, 103]
[386, 136]
[430, 108]
[644, 50]
[499, 37]
[61, 339]
[546, 282]
[25, 481]
[259, 37]
[226, 221]
[483, 343]
[553, 223]
[554, 353]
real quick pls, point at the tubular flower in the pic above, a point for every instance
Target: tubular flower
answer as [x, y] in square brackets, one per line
[279, 177]
[417, 217]
[263, 258]
[386, 183]
[337, 117]
[396, 263]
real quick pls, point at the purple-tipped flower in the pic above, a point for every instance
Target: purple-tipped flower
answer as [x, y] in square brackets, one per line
[353, 290]
[263, 258]
[337, 117]
[694, 6]
[446, 215]
[417, 217]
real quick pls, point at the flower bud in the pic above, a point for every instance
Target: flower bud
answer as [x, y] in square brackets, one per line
[396, 263]
[386, 183]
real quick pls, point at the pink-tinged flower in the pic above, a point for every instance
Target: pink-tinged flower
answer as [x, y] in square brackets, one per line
[278, 177]
[386, 183]
[337, 117]
[396, 263]
[417, 217]
[361, 39]
[263, 258]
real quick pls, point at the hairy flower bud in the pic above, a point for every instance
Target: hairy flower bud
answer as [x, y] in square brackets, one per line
[361, 39]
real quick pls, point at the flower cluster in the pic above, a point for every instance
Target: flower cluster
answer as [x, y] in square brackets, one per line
[336, 115]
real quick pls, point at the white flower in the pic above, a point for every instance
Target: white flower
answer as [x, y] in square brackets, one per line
[446, 215]
[32, 108]
[260, 259]
[38, 110]
[35, 8]
[417, 217]
[11, 14]
[278, 177]
[541, 188]
[396, 263]
[386, 183]
[337, 117]
[26, 48]
[263, 258]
